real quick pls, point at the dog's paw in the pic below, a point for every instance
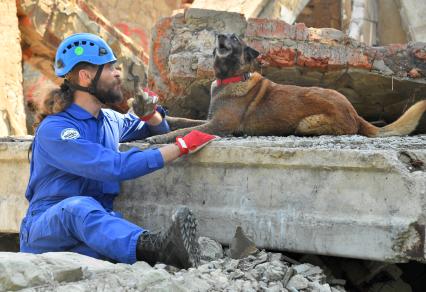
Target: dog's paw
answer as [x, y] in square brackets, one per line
[155, 140]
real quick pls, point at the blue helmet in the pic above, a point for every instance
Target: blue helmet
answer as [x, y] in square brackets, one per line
[82, 47]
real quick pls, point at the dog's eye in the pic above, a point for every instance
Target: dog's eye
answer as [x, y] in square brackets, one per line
[234, 38]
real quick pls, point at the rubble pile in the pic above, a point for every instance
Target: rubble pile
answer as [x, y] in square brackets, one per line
[376, 80]
[262, 271]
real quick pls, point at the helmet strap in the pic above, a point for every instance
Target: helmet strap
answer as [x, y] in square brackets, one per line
[92, 89]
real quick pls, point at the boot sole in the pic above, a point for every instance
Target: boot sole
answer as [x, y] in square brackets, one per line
[186, 247]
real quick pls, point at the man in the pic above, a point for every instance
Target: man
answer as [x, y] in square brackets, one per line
[76, 166]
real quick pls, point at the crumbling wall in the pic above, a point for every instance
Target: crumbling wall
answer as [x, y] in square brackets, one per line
[389, 26]
[379, 81]
[322, 13]
[287, 10]
[250, 8]
[44, 24]
[413, 19]
[12, 114]
[136, 18]
[380, 22]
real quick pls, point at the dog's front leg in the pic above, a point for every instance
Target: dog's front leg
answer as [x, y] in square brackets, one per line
[171, 136]
[179, 123]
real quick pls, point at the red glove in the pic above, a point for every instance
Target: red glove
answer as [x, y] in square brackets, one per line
[193, 141]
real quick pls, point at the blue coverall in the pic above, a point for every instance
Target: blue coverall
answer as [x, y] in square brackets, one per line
[75, 172]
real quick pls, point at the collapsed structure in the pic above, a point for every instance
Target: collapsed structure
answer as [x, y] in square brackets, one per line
[342, 196]
[126, 25]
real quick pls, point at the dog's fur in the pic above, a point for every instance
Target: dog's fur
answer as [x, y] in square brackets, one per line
[260, 107]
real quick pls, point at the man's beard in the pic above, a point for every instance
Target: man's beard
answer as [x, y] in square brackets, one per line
[108, 94]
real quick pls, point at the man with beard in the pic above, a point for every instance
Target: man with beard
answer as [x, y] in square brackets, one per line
[76, 166]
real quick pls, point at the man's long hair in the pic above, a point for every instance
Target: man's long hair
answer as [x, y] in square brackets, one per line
[59, 99]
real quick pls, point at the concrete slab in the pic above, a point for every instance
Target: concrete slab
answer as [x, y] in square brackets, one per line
[342, 196]
[347, 196]
[14, 175]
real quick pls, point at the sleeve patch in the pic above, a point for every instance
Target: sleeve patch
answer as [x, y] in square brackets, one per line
[69, 134]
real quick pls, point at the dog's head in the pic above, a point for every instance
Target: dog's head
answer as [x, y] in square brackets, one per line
[232, 56]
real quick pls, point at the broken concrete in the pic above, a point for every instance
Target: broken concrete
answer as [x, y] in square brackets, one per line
[64, 271]
[12, 113]
[375, 79]
[325, 195]
[14, 173]
[298, 194]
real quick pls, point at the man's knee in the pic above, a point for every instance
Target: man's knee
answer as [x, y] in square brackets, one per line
[81, 206]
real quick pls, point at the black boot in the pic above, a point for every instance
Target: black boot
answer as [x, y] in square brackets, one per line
[178, 246]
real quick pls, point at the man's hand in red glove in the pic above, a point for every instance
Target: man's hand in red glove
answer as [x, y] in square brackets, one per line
[193, 141]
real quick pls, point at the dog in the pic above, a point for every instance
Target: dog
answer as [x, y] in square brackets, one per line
[247, 103]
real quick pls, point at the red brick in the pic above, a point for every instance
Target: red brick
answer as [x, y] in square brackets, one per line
[312, 62]
[270, 29]
[301, 32]
[358, 59]
[284, 57]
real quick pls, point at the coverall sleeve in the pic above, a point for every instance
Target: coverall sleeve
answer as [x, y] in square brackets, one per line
[132, 128]
[84, 158]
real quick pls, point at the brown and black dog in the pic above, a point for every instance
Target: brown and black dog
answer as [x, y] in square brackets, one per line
[247, 103]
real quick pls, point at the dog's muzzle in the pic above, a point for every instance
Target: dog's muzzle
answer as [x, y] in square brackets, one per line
[223, 46]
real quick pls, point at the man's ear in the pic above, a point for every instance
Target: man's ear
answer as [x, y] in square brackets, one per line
[250, 54]
[214, 52]
[85, 76]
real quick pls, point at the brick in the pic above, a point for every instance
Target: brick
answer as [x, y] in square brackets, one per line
[270, 29]
[285, 57]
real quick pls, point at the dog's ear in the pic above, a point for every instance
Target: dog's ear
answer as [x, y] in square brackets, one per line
[214, 52]
[250, 54]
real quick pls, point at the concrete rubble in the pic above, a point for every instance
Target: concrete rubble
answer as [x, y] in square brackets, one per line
[299, 194]
[375, 79]
[262, 271]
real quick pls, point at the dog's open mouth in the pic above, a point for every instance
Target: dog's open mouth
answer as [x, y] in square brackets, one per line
[223, 47]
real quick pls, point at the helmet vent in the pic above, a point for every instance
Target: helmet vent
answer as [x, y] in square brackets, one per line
[64, 51]
[59, 64]
[69, 46]
[92, 44]
[83, 42]
[76, 44]
[102, 51]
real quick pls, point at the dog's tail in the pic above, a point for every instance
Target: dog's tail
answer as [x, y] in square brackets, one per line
[406, 124]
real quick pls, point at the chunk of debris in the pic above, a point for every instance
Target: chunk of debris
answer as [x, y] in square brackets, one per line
[241, 245]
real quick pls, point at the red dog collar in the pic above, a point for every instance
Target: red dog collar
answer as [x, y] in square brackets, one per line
[234, 79]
